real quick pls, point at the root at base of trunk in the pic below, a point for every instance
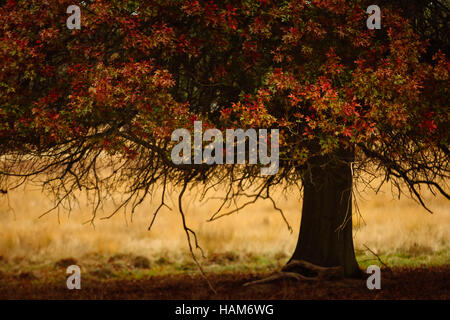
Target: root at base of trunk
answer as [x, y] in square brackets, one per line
[303, 270]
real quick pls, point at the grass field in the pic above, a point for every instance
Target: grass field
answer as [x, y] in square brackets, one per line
[254, 241]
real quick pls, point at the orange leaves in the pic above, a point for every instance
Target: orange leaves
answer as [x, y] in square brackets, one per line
[250, 115]
[333, 66]
[260, 27]
[161, 36]
[163, 79]
[187, 45]
[48, 34]
[292, 36]
[283, 80]
[213, 13]
[294, 99]
[441, 70]
[309, 67]
[192, 7]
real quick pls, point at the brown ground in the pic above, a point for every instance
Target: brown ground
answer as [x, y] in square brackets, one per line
[426, 283]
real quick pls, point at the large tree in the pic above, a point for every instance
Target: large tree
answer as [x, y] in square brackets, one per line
[93, 109]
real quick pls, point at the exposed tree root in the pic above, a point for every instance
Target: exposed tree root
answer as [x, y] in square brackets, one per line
[302, 270]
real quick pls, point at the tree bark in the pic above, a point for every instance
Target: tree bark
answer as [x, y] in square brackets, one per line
[325, 237]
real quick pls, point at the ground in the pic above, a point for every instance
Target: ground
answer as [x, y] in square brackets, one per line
[119, 258]
[128, 277]
[432, 283]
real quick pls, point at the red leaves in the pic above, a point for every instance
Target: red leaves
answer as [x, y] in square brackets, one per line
[47, 70]
[428, 122]
[212, 14]
[283, 80]
[229, 14]
[295, 100]
[48, 99]
[10, 4]
[292, 36]
[47, 35]
[225, 113]
[429, 125]
[53, 115]
[347, 132]
[191, 7]
[130, 153]
[310, 67]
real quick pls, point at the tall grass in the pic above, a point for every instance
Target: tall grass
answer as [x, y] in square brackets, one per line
[384, 224]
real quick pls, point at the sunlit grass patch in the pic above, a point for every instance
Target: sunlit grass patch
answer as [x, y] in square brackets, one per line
[400, 232]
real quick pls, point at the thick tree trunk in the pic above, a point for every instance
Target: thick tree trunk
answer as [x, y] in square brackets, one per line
[325, 237]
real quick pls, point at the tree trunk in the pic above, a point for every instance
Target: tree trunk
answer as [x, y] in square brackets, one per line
[325, 237]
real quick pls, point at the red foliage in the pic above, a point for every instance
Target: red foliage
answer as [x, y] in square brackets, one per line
[310, 68]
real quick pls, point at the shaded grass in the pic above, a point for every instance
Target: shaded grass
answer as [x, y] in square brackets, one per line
[97, 267]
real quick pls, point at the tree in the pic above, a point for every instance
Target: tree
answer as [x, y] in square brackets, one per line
[93, 109]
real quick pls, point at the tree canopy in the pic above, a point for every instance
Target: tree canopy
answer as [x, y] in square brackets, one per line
[93, 109]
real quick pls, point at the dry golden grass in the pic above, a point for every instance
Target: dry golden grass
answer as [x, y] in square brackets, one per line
[386, 225]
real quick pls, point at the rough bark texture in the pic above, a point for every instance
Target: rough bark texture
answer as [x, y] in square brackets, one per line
[325, 237]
